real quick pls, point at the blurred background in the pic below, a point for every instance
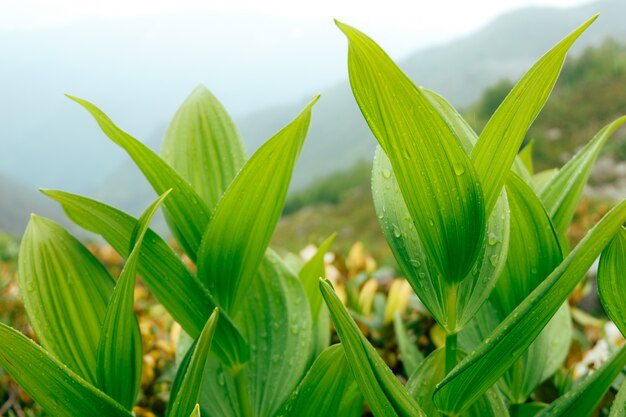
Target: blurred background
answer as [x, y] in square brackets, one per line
[264, 60]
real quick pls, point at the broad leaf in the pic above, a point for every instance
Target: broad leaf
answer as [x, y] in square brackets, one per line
[66, 291]
[422, 384]
[119, 355]
[167, 277]
[484, 366]
[435, 176]
[507, 128]
[407, 247]
[612, 280]
[235, 241]
[583, 399]
[526, 156]
[383, 392]
[203, 145]
[186, 212]
[328, 389]
[60, 391]
[190, 377]
[276, 320]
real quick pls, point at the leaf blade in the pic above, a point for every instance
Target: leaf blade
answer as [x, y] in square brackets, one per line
[430, 164]
[506, 129]
[51, 384]
[235, 240]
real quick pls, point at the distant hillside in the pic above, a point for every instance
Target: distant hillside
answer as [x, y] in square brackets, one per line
[17, 202]
[460, 70]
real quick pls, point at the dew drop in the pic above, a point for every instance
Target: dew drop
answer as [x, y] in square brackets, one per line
[493, 239]
[493, 259]
[386, 173]
[459, 169]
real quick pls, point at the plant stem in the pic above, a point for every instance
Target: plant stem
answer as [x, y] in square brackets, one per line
[242, 392]
[451, 337]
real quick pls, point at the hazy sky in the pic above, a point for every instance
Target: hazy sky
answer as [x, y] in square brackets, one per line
[432, 20]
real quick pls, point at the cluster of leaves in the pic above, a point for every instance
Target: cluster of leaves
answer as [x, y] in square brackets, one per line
[479, 236]
[481, 239]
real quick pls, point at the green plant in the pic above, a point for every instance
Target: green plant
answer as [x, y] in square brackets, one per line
[481, 239]
[273, 328]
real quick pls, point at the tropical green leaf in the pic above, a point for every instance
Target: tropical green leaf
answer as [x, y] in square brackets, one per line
[191, 376]
[239, 232]
[435, 176]
[526, 409]
[561, 195]
[406, 245]
[276, 320]
[65, 291]
[203, 145]
[328, 389]
[422, 384]
[55, 387]
[612, 280]
[410, 355]
[507, 128]
[383, 392]
[583, 399]
[119, 355]
[186, 212]
[618, 409]
[485, 365]
[165, 275]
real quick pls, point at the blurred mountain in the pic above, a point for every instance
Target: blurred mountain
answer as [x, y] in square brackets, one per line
[460, 70]
[18, 201]
[62, 148]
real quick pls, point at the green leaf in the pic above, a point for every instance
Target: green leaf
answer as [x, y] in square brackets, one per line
[65, 291]
[541, 179]
[119, 355]
[507, 128]
[526, 156]
[196, 411]
[422, 382]
[526, 409]
[612, 280]
[410, 355]
[618, 409]
[311, 273]
[276, 320]
[560, 196]
[435, 176]
[165, 275]
[328, 389]
[239, 232]
[383, 392]
[186, 212]
[191, 375]
[407, 247]
[203, 145]
[59, 391]
[534, 252]
[484, 366]
[583, 399]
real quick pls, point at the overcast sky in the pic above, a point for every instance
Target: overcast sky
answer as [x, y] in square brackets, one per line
[432, 21]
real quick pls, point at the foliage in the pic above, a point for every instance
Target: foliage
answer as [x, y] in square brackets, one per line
[479, 236]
